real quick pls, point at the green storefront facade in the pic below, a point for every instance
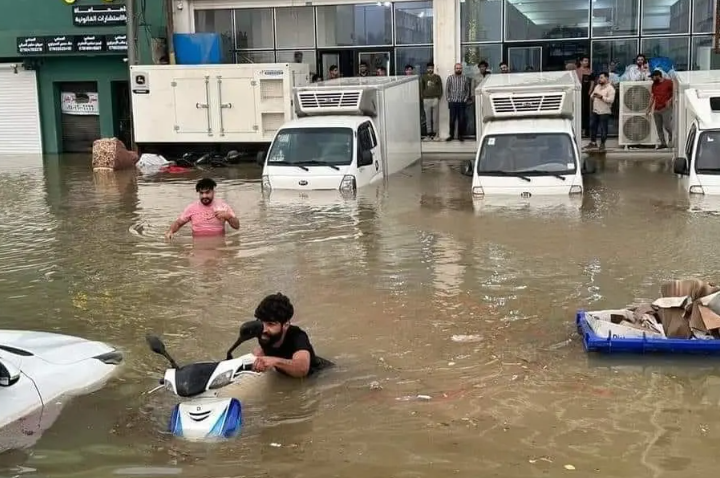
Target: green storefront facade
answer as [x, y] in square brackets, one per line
[77, 50]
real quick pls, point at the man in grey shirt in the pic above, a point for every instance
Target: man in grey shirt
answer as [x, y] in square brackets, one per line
[457, 92]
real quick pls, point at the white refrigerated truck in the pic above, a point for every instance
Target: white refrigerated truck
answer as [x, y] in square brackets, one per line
[696, 103]
[212, 107]
[350, 132]
[529, 128]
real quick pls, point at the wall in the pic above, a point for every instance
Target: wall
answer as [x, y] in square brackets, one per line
[54, 17]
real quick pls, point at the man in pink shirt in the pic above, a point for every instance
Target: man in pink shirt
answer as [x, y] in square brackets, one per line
[208, 215]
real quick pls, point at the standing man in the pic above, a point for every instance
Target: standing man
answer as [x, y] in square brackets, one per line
[207, 215]
[409, 70]
[333, 72]
[363, 69]
[603, 97]
[457, 93]
[381, 71]
[431, 90]
[661, 107]
[504, 68]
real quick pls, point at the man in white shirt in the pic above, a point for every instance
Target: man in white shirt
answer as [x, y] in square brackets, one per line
[602, 97]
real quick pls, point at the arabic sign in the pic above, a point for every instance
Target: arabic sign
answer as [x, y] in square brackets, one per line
[79, 103]
[70, 44]
[99, 15]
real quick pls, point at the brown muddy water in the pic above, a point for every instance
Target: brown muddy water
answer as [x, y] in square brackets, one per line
[386, 285]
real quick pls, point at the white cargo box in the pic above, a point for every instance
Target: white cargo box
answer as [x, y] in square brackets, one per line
[244, 103]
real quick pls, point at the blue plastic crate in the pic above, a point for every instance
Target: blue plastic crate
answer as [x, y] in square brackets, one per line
[594, 343]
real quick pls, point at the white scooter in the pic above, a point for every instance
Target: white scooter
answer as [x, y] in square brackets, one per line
[206, 415]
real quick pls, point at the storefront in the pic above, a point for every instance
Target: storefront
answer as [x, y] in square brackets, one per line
[528, 34]
[64, 74]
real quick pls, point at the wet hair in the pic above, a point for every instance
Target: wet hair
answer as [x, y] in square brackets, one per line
[275, 308]
[205, 184]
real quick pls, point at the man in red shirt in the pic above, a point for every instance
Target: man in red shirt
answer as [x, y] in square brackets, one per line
[661, 106]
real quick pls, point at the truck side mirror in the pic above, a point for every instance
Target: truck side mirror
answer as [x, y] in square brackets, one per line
[366, 158]
[681, 167]
[260, 159]
[589, 166]
[467, 168]
[9, 374]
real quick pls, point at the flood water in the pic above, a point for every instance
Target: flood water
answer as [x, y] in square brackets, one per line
[409, 289]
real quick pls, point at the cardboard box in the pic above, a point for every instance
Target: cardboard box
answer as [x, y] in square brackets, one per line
[601, 322]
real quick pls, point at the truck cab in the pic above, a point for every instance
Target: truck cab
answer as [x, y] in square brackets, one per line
[349, 133]
[322, 153]
[528, 142]
[697, 157]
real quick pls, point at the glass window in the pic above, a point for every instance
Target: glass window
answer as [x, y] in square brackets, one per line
[547, 19]
[298, 56]
[480, 20]
[474, 54]
[616, 18]
[707, 159]
[613, 56]
[354, 25]
[530, 154]
[254, 28]
[675, 48]
[702, 51]
[312, 146]
[255, 57]
[661, 17]
[218, 21]
[295, 27]
[418, 57]
[413, 23]
[703, 16]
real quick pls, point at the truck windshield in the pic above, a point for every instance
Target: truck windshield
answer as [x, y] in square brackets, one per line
[527, 154]
[312, 147]
[707, 160]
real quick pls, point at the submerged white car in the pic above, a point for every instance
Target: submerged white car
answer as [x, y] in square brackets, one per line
[38, 368]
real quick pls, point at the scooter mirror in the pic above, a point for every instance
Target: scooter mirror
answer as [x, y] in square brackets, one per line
[250, 330]
[156, 345]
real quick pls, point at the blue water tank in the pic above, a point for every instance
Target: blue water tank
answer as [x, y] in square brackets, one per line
[197, 48]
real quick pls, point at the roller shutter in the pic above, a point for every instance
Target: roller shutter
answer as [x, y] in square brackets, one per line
[79, 130]
[20, 111]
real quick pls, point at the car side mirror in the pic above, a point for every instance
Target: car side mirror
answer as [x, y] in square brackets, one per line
[366, 158]
[681, 167]
[260, 158]
[467, 168]
[9, 374]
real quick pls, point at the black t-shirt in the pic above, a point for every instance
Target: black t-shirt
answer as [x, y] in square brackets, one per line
[295, 340]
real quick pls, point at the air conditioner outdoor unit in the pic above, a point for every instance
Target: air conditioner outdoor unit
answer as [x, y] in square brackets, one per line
[636, 128]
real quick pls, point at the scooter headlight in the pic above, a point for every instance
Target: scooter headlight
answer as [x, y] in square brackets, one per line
[221, 380]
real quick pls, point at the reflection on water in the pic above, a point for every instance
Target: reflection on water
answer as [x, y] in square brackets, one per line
[381, 283]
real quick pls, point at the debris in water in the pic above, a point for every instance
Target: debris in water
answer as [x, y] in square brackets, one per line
[276, 445]
[408, 398]
[466, 338]
[569, 467]
[375, 385]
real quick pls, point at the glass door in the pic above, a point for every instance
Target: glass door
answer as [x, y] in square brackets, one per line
[343, 59]
[522, 59]
[375, 60]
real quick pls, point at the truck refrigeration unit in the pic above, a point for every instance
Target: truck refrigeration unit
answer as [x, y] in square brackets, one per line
[350, 132]
[212, 108]
[529, 128]
[696, 102]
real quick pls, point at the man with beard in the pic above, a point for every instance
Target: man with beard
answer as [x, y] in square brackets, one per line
[283, 346]
[207, 215]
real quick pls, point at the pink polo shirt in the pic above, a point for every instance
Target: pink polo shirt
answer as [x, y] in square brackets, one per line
[202, 218]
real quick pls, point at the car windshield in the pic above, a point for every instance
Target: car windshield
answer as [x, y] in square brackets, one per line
[527, 154]
[312, 147]
[707, 159]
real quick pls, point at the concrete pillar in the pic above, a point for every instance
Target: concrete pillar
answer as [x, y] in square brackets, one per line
[183, 17]
[446, 49]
